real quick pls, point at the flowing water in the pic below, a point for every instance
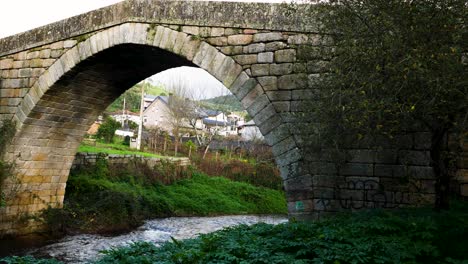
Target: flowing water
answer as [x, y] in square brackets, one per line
[83, 248]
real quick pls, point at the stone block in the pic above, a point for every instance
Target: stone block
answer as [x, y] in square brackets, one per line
[265, 57]
[266, 37]
[278, 134]
[21, 55]
[279, 95]
[246, 59]
[217, 41]
[292, 81]
[270, 124]
[192, 30]
[238, 83]
[282, 106]
[190, 48]
[69, 43]
[414, 157]
[317, 66]
[274, 46]
[213, 61]
[18, 64]
[304, 94]
[254, 48]
[205, 54]
[232, 50]
[420, 172]
[281, 69]
[251, 97]
[33, 55]
[180, 40]
[264, 114]
[386, 156]
[245, 88]
[217, 31]
[44, 54]
[239, 39]
[57, 45]
[360, 156]
[232, 31]
[287, 55]
[268, 82]
[8, 64]
[257, 103]
[260, 69]
[298, 39]
[288, 157]
[205, 32]
[250, 31]
[356, 169]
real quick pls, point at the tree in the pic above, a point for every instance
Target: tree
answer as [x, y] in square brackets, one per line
[397, 65]
[107, 129]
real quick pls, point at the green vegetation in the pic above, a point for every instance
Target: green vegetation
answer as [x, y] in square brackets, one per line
[104, 199]
[133, 97]
[400, 236]
[226, 103]
[107, 129]
[398, 66]
[111, 148]
[408, 236]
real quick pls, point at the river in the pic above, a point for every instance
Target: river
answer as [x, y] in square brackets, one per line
[85, 247]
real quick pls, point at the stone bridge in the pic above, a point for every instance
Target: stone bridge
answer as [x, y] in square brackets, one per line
[55, 81]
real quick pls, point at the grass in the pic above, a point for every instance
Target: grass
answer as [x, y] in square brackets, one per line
[119, 149]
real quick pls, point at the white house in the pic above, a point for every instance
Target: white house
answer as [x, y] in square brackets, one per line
[250, 131]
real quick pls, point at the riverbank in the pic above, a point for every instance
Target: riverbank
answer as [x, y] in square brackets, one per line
[109, 199]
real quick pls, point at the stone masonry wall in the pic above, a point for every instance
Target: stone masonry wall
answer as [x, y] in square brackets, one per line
[83, 159]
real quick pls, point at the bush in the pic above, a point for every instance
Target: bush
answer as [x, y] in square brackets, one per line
[107, 130]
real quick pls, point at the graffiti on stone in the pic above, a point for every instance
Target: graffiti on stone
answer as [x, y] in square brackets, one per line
[363, 194]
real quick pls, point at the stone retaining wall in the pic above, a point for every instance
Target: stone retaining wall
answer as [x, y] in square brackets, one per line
[85, 159]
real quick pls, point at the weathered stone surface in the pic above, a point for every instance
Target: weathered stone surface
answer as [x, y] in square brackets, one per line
[265, 57]
[254, 48]
[279, 95]
[265, 37]
[281, 69]
[292, 81]
[239, 39]
[260, 69]
[274, 46]
[287, 55]
[246, 59]
[268, 82]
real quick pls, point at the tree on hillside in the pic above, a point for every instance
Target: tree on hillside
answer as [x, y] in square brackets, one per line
[398, 65]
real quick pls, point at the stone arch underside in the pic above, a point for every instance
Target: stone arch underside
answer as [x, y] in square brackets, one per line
[67, 98]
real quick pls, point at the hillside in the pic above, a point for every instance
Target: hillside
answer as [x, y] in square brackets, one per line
[227, 103]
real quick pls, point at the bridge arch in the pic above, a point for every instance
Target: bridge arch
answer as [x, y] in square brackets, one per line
[67, 98]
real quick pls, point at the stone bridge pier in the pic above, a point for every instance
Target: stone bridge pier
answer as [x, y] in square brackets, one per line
[55, 81]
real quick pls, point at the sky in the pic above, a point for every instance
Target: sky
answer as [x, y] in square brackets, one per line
[17, 16]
